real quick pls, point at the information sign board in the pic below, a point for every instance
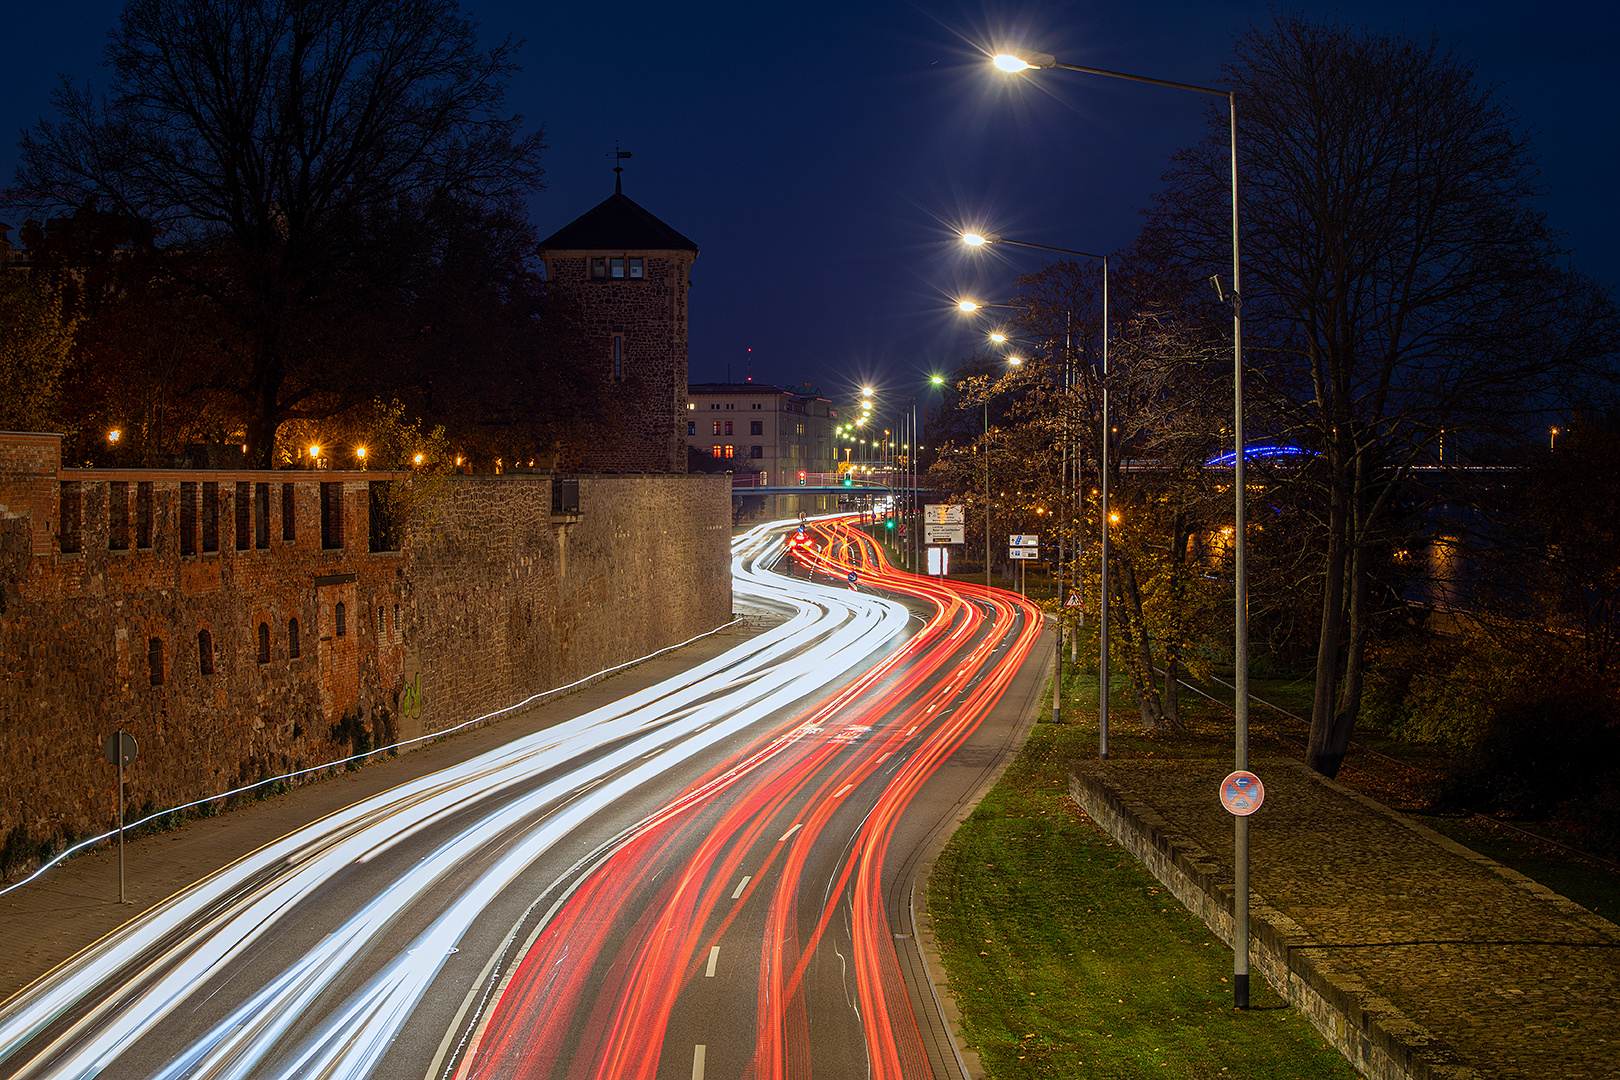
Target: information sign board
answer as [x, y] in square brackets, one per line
[935, 533]
[944, 514]
[1023, 553]
[1023, 540]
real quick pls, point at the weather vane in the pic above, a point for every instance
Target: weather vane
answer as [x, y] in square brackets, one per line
[618, 179]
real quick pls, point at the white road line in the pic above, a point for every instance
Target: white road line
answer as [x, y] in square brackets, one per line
[714, 958]
[699, 1052]
[741, 885]
[790, 832]
[886, 757]
[845, 790]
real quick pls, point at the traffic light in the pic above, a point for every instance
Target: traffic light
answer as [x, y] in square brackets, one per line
[801, 478]
[889, 522]
[849, 481]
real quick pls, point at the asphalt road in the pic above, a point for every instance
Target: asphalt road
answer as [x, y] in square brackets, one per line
[711, 877]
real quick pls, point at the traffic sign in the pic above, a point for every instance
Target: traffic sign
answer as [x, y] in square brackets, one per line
[120, 748]
[1024, 540]
[935, 533]
[1075, 600]
[1242, 793]
[945, 514]
[1023, 553]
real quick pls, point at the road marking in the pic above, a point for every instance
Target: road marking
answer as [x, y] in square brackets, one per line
[741, 885]
[790, 832]
[845, 790]
[714, 958]
[699, 1052]
[886, 757]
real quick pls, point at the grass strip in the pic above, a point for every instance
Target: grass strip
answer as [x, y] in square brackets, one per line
[1067, 958]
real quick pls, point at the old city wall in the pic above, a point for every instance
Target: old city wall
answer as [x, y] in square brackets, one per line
[243, 625]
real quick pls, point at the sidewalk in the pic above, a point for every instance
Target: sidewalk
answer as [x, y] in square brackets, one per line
[1414, 955]
[75, 904]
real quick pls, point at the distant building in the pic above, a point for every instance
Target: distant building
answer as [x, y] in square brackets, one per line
[631, 273]
[762, 427]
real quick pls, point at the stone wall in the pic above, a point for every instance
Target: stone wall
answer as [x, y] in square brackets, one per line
[648, 316]
[240, 624]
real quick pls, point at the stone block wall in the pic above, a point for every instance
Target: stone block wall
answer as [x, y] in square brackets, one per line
[239, 625]
[649, 317]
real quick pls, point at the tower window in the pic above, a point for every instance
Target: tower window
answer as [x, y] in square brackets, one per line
[616, 267]
[599, 269]
[205, 652]
[635, 267]
[618, 356]
[691, 427]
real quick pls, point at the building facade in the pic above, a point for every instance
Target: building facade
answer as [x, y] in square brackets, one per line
[630, 274]
[763, 428]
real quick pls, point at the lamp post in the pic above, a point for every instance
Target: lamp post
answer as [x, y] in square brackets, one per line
[979, 240]
[1240, 629]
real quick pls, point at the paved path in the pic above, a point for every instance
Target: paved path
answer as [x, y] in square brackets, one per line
[1477, 969]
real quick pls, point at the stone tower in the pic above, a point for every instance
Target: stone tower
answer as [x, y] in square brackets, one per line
[631, 273]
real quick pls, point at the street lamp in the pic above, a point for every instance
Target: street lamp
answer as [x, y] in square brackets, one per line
[1011, 62]
[980, 240]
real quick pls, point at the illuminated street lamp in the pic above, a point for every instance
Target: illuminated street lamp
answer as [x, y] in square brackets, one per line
[1013, 62]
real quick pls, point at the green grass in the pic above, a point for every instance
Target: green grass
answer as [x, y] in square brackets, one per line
[1067, 958]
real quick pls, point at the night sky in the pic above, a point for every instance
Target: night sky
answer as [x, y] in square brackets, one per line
[822, 156]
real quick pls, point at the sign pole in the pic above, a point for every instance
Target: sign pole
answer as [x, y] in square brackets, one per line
[121, 828]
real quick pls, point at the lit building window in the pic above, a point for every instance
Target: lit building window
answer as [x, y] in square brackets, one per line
[719, 451]
[731, 451]
[728, 427]
[716, 430]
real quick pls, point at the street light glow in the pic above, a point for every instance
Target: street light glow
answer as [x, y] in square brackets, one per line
[967, 305]
[998, 337]
[937, 380]
[973, 239]
[1009, 62]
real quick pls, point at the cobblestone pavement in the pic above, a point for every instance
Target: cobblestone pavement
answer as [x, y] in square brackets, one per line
[1516, 980]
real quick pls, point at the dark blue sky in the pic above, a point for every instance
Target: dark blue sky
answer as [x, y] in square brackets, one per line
[822, 155]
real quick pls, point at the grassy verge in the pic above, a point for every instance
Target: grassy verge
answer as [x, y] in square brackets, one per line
[1067, 958]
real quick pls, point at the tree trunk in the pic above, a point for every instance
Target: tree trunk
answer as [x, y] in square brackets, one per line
[1172, 701]
[1319, 754]
[1141, 655]
[1355, 654]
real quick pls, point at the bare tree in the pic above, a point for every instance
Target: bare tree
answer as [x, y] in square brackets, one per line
[1398, 281]
[294, 142]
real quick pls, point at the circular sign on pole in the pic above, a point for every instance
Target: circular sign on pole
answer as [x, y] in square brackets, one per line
[1242, 793]
[120, 748]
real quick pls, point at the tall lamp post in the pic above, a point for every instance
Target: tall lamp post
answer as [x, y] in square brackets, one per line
[1240, 647]
[979, 240]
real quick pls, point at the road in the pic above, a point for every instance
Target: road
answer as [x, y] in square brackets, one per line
[699, 880]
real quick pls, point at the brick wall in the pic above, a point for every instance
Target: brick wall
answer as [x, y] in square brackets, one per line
[489, 599]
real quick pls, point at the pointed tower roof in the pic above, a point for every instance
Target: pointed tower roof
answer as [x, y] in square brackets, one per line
[617, 223]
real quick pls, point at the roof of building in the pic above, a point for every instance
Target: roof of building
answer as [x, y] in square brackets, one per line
[751, 388]
[617, 223]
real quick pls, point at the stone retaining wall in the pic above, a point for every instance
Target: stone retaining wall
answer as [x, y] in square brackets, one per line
[241, 625]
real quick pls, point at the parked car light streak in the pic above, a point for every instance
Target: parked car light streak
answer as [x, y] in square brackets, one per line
[842, 634]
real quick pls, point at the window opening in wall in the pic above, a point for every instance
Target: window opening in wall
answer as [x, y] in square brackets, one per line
[143, 514]
[755, 405]
[565, 495]
[188, 517]
[72, 508]
[618, 356]
[380, 621]
[244, 514]
[210, 516]
[292, 639]
[118, 515]
[261, 516]
[719, 451]
[691, 427]
[396, 618]
[340, 618]
[205, 652]
[731, 451]
[756, 451]
[331, 515]
[264, 643]
[716, 430]
[636, 267]
[616, 267]
[599, 269]
[154, 660]
[756, 427]
[289, 519]
[728, 427]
